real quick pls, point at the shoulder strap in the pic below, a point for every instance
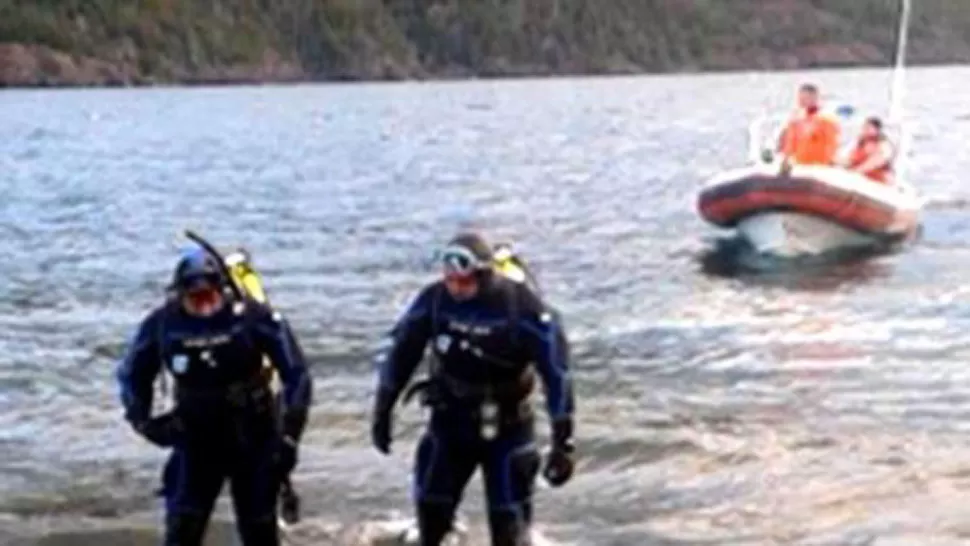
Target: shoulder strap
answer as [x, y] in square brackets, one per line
[435, 303]
[436, 293]
[514, 309]
[249, 322]
[160, 344]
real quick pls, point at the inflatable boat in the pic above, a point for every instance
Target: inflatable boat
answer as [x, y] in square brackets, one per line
[809, 210]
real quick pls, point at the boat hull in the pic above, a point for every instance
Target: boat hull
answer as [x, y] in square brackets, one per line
[809, 210]
[793, 234]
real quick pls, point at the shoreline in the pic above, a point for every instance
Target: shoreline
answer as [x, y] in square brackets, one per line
[244, 81]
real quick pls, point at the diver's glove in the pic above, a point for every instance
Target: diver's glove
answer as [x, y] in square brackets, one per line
[559, 465]
[381, 421]
[289, 503]
[286, 457]
[163, 431]
[293, 424]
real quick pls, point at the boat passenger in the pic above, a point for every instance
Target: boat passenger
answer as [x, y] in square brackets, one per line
[873, 154]
[811, 137]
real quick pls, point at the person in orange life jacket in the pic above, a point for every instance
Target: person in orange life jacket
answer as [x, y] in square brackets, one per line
[491, 336]
[811, 137]
[225, 422]
[873, 154]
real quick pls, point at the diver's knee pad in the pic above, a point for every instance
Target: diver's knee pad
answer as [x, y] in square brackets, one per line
[185, 529]
[259, 532]
[509, 528]
[435, 520]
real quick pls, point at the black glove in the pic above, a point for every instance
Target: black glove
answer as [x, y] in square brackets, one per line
[559, 464]
[289, 503]
[163, 431]
[293, 424]
[287, 458]
[380, 430]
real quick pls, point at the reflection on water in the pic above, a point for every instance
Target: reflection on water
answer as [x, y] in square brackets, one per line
[732, 257]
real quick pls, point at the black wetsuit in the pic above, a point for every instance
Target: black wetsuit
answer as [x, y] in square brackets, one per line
[488, 351]
[228, 423]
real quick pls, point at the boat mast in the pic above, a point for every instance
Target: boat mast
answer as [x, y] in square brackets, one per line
[897, 90]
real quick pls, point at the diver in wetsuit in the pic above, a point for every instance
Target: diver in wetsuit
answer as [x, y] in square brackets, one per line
[224, 423]
[249, 283]
[491, 336]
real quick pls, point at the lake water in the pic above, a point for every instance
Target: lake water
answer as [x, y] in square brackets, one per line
[824, 406]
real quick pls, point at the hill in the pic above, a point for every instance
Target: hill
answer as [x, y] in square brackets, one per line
[125, 42]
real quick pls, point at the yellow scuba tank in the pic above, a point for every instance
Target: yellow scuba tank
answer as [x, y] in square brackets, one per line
[507, 264]
[249, 281]
[245, 276]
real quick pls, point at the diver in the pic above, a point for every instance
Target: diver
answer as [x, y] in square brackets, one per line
[225, 422]
[244, 276]
[491, 336]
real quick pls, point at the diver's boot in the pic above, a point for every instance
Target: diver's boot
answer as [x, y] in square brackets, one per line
[260, 532]
[509, 528]
[185, 530]
[434, 522]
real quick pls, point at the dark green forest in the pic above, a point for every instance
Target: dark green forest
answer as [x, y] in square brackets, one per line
[122, 42]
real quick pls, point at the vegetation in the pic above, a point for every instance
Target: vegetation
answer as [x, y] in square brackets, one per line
[135, 41]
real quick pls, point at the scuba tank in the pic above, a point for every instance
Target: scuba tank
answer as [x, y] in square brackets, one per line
[507, 263]
[241, 270]
[512, 266]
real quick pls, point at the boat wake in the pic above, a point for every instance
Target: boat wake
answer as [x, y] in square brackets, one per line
[734, 256]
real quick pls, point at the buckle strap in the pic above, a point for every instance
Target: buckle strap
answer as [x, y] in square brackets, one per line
[237, 393]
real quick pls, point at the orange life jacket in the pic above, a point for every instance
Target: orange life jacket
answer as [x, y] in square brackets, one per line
[863, 151]
[811, 140]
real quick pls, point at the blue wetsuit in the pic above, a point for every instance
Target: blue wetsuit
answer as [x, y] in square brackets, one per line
[488, 351]
[227, 423]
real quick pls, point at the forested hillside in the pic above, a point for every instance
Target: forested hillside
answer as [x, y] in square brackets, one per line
[118, 42]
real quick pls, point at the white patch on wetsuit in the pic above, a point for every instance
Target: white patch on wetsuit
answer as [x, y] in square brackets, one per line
[443, 343]
[180, 364]
[385, 344]
[383, 349]
[277, 316]
[470, 328]
[201, 342]
[545, 318]
[206, 357]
